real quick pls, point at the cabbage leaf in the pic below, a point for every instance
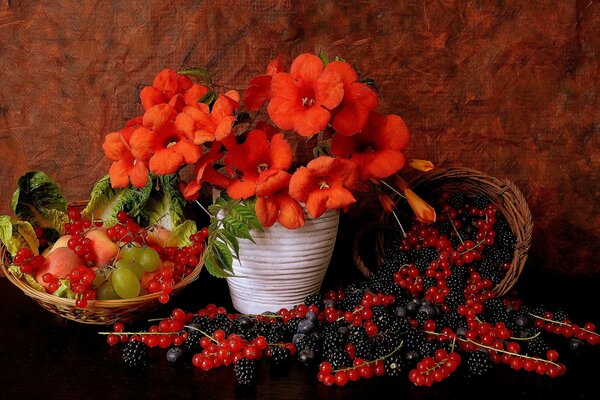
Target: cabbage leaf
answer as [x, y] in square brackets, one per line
[17, 234]
[165, 204]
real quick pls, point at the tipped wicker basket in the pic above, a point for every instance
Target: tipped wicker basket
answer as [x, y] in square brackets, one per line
[101, 312]
[501, 192]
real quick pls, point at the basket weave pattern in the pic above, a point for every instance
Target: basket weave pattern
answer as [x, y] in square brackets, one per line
[101, 312]
[502, 193]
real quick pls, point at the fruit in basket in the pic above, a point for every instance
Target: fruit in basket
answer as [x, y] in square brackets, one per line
[58, 263]
[61, 242]
[125, 282]
[102, 247]
[146, 257]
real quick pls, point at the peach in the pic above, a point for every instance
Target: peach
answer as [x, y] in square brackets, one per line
[104, 249]
[158, 236]
[59, 263]
[61, 242]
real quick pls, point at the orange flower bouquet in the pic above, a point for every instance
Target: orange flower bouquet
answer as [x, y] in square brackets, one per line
[263, 180]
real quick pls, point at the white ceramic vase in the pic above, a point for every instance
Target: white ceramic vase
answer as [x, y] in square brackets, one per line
[284, 266]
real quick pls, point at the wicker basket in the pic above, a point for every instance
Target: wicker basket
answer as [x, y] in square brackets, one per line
[501, 192]
[102, 312]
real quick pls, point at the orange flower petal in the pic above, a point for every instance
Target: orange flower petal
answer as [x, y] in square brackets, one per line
[316, 204]
[223, 107]
[167, 81]
[329, 90]
[307, 68]
[223, 130]
[187, 150]
[143, 143]
[363, 95]
[338, 197]
[282, 112]
[275, 65]
[271, 181]
[258, 92]
[291, 215]
[302, 183]
[195, 93]
[350, 119]
[119, 174]
[392, 132]
[185, 124]
[421, 165]
[151, 96]
[346, 73]
[240, 190]
[313, 120]
[190, 191]
[166, 161]
[342, 146]
[113, 146]
[266, 211]
[423, 211]
[157, 117]
[385, 163]
[211, 176]
[280, 152]
[139, 174]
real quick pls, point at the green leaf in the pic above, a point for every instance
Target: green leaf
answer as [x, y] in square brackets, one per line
[213, 267]
[106, 202]
[33, 283]
[17, 234]
[197, 72]
[223, 254]
[323, 57]
[38, 200]
[165, 203]
[180, 235]
[236, 227]
[208, 98]
[231, 241]
[370, 82]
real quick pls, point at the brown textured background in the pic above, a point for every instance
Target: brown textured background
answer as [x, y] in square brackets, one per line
[507, 87]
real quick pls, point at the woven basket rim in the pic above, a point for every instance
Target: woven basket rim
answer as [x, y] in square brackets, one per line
[507, 197]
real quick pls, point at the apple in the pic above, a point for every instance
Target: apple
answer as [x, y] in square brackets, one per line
[61, 242]
[158, 236]
[59, 263]
[104, 249]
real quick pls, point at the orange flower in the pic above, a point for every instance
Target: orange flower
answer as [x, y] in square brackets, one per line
[376, 150]
[301, 99]
[359, 99]
[421, 165]
[159, 142]
[171, 88]
[259, 88]
[202, 125]
[325, 183]
[205, 172]
[274, 202]
[125, 168]
[255, 156]
[423, 211]
[386, 202]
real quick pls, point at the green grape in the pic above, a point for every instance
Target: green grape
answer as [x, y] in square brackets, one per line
[106, 291]
[147, 257]
[125, 282]
[135, 267]
[99, 279]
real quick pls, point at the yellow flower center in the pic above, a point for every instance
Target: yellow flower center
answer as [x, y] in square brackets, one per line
[323, 185]
[262, 167]
[308, 102]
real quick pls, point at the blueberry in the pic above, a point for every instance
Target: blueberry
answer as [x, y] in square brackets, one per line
[412, 355]
[522, 321]
[330, 303]
[297, 338]
[305, 326]
[306, 356]
[173, 354]
[461, 331]
[312, 316]
[400, 311]
[576, 345]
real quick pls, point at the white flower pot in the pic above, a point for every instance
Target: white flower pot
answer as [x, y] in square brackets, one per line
[284, 266]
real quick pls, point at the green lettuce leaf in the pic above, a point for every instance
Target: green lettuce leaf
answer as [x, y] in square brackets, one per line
[180, 235]
[38, 200]
[17, 234]
[106, 202]
[165, 204]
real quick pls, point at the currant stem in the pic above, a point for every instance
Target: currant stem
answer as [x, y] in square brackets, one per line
[202, 332]
[392, 188]
[399, 224]
[527, 338]
[140, 333]
[455, 230]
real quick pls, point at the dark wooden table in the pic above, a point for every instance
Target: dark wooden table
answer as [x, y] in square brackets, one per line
[45, 357]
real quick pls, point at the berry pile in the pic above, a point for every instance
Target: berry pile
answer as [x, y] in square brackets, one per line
[427, 308]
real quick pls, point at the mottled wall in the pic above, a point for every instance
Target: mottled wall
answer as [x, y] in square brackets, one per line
[508, 87]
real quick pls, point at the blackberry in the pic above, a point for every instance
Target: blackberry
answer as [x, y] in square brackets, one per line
[536, 347]
[393, 258]
[316, 299]
[498, 255]
[279, 354]
[203, 323]
[245, 371]
[490, 271]
[242, 325]
[453, 320]
[363, 348]
[428, 282]
[481, 201]
[308, 342]
[135, 354]
[398, 326]
[292, 326]
[479, 363]
[422, 317]
[338, 359]
[333, 341]
[258, 329]
[381, 317]
[222, 322]
[561, 315]
[457, 200]
[422, 258]
[382, 346]
[412, 339]
[394, 365]
[455, 299]
[426, 348]
[276, 332]
[445, 227]
[192, 342]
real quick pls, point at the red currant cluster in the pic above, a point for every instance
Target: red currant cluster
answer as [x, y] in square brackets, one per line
[77, 225]
[39, 234]
[126, 230]
[79, 281]
[360, 369]
[435, 369]
[27, 262]
[566, 328]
